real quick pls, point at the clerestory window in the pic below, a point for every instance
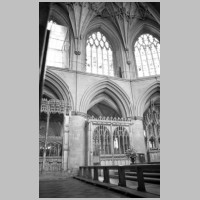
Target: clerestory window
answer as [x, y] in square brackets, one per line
[147, 55]
[58, 47]
[99, 55]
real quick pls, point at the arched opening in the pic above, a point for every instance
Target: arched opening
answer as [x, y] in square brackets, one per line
[99, 55]
[105, 106]
[147, 55]
[51, 125]
[106, 94]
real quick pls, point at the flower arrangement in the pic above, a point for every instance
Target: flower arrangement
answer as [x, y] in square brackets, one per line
[131, 152]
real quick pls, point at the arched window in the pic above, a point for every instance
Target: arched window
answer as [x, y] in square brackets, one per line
[58, 47]
[147, 55]
[99, 55]
[101, 141]
[120, 140]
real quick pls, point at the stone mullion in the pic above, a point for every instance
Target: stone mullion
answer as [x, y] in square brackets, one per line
[147, 60]
[153, 61]
[97, 60]
[157, 53]
[102, 61]
[108, 63]
[91, 57]
[141, 62]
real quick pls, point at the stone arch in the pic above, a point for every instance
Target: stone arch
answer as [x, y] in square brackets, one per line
[55, 87]
[142, 100]
[112, 90]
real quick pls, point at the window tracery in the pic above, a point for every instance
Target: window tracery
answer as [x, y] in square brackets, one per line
[121, 140]
[147, 55]
[99, 55]
[101, 141]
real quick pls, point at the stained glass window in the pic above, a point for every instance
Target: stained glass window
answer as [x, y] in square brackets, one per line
[99, 56]
[147, 55]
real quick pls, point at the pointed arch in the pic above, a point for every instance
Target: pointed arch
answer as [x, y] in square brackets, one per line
[55, 87]
[145, 27]
[142, 100]
[113, 91]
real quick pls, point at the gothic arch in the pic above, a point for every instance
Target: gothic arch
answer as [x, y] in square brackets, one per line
[113, 91]
[142, 100]
[144, 27]
[107, 29]
[57, 88]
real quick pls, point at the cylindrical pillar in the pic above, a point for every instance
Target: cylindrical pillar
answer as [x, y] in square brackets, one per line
[138, 136]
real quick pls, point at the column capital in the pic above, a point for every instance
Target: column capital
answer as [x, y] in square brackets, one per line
[82, 114]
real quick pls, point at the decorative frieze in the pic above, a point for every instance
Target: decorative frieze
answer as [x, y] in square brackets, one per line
[110, 118]
[55, 106]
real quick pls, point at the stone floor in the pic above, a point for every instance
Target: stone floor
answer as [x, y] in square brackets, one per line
[72, 188]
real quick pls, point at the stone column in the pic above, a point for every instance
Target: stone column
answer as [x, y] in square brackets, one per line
[138, 136]
[77, 143]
